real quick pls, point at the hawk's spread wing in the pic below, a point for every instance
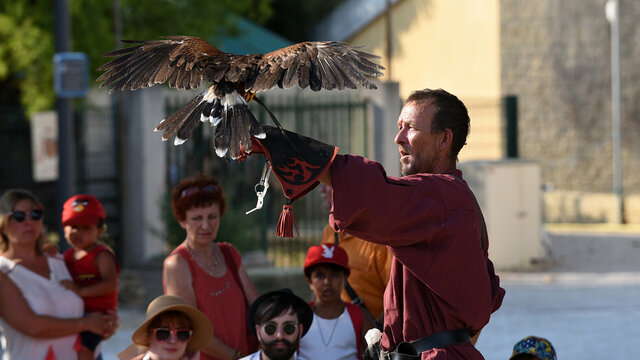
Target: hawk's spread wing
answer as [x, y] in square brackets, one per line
[183, 62]
[318, 65]
[178, 60]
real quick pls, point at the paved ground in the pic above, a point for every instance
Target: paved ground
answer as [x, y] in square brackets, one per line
[585, 316]
[587, 302]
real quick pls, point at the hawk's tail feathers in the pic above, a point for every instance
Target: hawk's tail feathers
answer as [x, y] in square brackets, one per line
[181, 123]
[233, 134]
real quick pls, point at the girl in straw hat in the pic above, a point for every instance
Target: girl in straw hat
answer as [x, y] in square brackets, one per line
[173, 330]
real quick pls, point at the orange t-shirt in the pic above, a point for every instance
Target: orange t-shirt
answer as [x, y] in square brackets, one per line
[370, 266]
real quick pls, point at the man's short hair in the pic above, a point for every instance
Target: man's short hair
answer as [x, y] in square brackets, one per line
[451, 114]
[274, 306]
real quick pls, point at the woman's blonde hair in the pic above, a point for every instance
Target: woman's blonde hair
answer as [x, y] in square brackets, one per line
[8, 201]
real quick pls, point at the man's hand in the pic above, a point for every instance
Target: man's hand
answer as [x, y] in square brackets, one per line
[373, 350]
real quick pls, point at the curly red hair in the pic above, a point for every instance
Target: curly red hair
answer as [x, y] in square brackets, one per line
[195, 192]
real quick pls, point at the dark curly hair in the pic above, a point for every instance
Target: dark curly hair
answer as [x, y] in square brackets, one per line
[194, 192]
[452, 114]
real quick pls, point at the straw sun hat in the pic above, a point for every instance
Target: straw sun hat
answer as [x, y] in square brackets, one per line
[202, 329]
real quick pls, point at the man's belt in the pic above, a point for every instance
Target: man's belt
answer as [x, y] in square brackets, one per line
[412, 350]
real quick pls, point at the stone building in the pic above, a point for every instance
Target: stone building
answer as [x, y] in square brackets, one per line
[553, 55]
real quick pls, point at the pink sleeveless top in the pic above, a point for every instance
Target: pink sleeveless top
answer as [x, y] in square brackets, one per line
[221, 299]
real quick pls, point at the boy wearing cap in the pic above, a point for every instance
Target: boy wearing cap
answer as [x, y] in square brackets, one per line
[338, 328]
[92, 265]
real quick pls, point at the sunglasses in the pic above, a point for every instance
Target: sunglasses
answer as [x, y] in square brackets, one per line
[196, 189]
[21, 216]
[271, 328]
[182, 335]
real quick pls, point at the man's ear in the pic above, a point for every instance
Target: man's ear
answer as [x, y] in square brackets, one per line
[300, 330]
[258, 332]
[446, 140]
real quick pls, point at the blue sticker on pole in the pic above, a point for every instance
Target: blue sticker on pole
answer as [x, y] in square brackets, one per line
[71, 74]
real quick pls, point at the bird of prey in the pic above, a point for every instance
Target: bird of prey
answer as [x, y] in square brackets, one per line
[184, 62]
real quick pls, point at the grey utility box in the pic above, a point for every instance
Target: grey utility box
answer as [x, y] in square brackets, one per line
[508, 192]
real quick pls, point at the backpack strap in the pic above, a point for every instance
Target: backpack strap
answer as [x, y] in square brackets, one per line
[355, 299]
[356, 320]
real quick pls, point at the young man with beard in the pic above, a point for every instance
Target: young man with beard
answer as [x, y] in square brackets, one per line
[279, 319]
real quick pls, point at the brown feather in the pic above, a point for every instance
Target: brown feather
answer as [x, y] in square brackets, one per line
[184, 62]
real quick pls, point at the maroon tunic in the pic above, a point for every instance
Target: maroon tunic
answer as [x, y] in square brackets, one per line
[441, 278]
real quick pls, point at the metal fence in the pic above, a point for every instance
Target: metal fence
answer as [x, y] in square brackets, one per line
[339, 118]
[335, 118]
[97, 165]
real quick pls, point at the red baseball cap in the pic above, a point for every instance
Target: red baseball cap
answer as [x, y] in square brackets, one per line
[327, 253]
[82, 209]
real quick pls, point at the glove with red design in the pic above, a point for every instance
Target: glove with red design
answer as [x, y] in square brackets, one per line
[298, 161]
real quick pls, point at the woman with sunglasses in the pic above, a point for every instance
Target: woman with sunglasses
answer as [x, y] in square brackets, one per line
[30, 285]
[173, 330]
[210, 275]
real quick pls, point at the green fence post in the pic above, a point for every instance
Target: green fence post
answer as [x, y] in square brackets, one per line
[511, 115]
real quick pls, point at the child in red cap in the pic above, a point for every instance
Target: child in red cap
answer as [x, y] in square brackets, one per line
[92, 265]
[338, 328]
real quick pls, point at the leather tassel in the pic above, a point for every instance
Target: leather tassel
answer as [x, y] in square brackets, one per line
[286, 222]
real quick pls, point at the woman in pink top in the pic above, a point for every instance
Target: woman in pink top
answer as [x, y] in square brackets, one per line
[210, 275]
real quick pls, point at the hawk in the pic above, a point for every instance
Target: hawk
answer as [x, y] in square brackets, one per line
[184, 62]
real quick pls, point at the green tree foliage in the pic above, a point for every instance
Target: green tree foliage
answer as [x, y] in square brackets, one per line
[27, 35]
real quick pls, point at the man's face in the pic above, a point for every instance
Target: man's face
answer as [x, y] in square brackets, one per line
[419, 148]
[279, 336]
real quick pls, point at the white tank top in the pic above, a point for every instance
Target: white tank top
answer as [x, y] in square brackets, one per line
[46, 297]
[333, 339]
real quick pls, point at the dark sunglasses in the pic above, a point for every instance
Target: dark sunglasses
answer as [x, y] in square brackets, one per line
[271, 328]
[20, 216]
[182, 335]
[195, 189]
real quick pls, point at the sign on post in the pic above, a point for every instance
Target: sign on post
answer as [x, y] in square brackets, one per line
[71, 74]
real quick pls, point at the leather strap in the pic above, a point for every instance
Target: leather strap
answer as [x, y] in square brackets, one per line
[355, 299]
[441, 339]
[412, 350]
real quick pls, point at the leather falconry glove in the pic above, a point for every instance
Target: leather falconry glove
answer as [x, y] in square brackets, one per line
[297, 161]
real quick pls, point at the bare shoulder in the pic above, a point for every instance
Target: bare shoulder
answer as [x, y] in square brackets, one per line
[106, 256]
[175, 262]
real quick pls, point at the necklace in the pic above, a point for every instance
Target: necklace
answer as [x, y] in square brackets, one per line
[335, 324]
[210, 266]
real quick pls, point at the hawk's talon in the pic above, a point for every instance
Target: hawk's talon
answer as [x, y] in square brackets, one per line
[248, 96]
